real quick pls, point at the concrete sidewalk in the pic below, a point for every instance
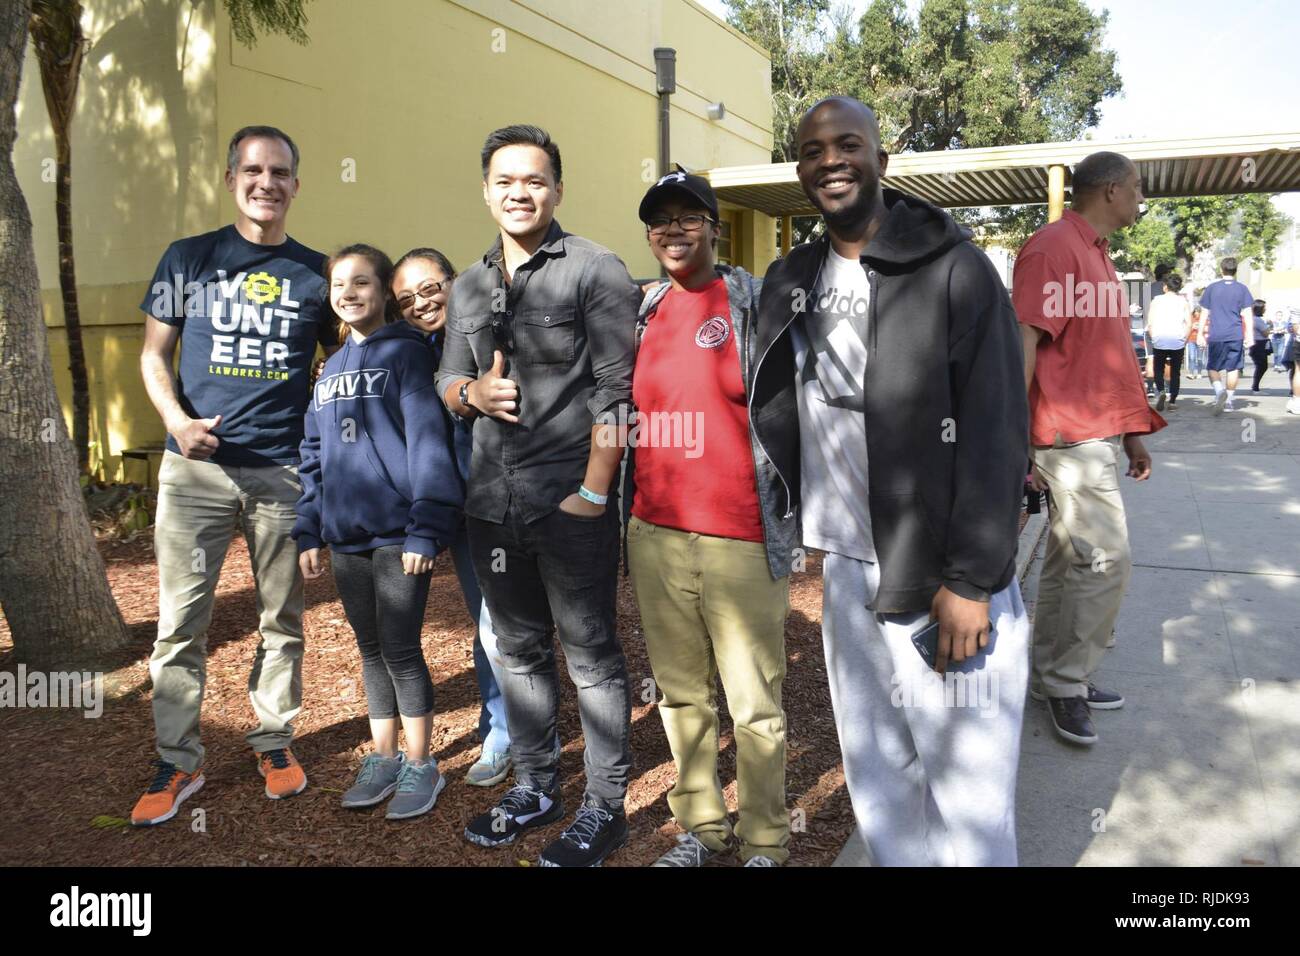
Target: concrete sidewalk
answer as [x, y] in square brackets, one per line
[1202, 765]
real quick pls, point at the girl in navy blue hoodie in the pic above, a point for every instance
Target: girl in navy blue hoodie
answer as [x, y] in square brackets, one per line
[381, 490]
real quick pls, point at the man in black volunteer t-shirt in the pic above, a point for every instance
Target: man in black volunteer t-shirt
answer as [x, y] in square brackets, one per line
[247, 305]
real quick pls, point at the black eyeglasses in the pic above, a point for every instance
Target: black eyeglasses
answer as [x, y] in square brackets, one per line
[426, 290]
[691, 222]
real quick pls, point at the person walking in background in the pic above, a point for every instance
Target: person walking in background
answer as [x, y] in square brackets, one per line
[1227, 324]
[1290, 356]
[1277, 335]
[1262, 344]
[380, 489]
[1195, 350]
[1169, 322]
[422, 281]
[1159, 285]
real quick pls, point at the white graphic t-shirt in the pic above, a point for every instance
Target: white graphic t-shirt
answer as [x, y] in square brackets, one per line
[830, 347]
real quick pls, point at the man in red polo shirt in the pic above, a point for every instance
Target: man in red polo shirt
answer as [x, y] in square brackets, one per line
[1086, 401]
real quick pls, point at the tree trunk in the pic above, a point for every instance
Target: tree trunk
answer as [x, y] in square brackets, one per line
[56, 29]
[71, 310]
[53, 589]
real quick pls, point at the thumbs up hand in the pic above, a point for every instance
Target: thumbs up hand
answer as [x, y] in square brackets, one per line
[493, 394]
[195, 438]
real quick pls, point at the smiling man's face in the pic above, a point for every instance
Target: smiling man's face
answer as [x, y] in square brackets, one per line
[263, 182]
[840, 162]
[521, 191]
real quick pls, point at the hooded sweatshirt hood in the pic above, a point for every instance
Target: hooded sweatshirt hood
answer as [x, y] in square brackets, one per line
[913, 231]
[943, 350]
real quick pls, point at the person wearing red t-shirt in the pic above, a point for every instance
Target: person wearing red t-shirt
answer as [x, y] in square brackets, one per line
[1085, 404]
[710, 535]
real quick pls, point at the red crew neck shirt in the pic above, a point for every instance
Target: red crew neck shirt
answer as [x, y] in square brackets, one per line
[694, 467]
[1087, 383]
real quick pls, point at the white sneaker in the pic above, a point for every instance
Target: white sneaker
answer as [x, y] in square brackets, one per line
[1229, 407]
[1293, 406]
[1219, 401]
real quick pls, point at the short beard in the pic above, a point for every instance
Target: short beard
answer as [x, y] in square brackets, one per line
[852, 218]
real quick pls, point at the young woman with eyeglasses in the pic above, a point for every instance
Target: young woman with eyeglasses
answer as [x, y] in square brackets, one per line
[422, 281]
[381, 491]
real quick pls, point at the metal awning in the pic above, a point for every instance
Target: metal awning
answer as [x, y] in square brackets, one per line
[1015, 175]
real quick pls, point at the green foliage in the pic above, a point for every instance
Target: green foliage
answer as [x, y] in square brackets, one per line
[248, 18]
[802, 50]
[1247, 226]
[1142, 247]
[957, 74]
[1261, 227]
[960, 73]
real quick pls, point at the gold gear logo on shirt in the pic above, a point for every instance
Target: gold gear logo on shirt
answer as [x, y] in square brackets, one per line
[261, 287]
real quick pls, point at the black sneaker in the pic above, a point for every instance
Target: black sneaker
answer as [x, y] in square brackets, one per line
[593, 835]
[1103, 699]
[520, 809]
[1071, 720]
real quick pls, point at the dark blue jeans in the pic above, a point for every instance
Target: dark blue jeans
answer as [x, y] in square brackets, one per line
[558, 575]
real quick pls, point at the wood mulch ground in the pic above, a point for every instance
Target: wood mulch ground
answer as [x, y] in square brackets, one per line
[68, 782]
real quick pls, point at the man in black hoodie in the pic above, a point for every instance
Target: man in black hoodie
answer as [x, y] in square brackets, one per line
[910, 478]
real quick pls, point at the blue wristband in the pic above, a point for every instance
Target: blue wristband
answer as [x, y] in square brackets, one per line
[591, 496]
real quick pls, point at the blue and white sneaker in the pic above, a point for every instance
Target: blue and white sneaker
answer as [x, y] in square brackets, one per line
[491, 769]
[376, 781]
[417, 790]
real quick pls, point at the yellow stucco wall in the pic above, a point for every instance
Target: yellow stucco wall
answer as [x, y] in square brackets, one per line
[144, 171]
[389, 104]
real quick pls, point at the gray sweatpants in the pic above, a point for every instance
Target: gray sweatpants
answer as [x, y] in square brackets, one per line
[930, 760]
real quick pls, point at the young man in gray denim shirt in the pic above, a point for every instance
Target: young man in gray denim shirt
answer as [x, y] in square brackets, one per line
[540, 348]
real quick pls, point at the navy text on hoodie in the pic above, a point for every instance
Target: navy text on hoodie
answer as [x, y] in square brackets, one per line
[377, 466]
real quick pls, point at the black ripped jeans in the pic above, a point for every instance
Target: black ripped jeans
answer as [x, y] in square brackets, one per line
[558, 575]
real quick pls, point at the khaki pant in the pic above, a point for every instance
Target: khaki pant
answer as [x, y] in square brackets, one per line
[710, 608]
[199, 506]
[1086, 568]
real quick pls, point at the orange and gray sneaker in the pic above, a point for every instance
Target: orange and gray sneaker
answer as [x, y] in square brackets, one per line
[284, 776]
[171, 785]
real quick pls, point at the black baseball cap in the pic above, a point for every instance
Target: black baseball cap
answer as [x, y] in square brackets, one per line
[681, 184]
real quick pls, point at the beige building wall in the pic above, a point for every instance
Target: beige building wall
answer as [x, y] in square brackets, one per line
[389, 104]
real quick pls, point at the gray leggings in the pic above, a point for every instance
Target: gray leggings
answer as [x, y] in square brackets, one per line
[385, 607]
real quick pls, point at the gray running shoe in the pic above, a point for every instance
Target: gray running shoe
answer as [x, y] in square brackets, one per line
[761, 861]
[689, 851]
[417, 790]
[376, 781]
[1220, 401]
[490, 770]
